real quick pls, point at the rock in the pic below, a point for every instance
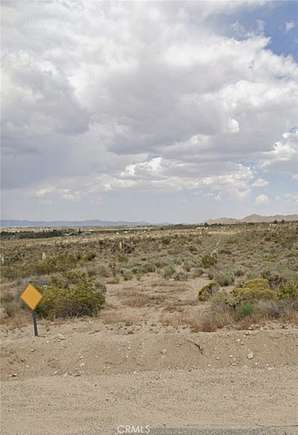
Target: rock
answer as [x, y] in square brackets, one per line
[250, 355]
[61, 337]
[163, 351]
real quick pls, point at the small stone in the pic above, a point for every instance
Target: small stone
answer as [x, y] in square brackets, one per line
[60, 337]
[82, 364]
[163, 351]
[250, 355]
[14, 375]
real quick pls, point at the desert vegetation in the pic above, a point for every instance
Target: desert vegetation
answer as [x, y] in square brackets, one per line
[202, 277]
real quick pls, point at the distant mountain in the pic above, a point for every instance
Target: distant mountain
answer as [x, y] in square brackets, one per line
[254, 218]
[10, 223]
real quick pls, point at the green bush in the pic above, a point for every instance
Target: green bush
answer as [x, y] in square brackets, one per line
[72, 294]
[246, 309]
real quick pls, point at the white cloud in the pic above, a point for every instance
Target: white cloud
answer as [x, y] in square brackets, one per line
[289, 25]
[262, 199]
[260, 182]
[284, 154]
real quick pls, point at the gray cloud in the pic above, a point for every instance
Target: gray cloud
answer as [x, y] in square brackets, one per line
[106, 99]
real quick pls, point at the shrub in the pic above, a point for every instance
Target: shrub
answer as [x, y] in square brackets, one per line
[168, 272]
[222, 300]
[209, 260]
[102, 271]
[246, 309]
[207, 291]
[123, 259]
[239, 272]
[148, 267]
[275, 279]
[72, 294]
[288, 291]
[225, 278]
[9, 305]
[187, 265]
[253, 290]
[271, 309]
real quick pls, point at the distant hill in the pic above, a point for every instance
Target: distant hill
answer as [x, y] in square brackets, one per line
[254, 218]
[10, 223]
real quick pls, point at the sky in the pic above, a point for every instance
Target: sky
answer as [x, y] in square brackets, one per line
[168, 111]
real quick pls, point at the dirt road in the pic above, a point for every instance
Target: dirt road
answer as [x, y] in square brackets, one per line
[87, 377]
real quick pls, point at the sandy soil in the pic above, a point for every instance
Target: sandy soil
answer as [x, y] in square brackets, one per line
[127, 368]
[86, 376]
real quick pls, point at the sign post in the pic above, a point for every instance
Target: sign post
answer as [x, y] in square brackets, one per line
[32, 297]
[34, 323]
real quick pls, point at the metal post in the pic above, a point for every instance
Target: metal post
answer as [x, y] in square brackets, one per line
[34, 323]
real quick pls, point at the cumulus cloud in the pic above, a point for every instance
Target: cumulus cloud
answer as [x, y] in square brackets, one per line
[94, 104]
[262, 199]
[284, 154]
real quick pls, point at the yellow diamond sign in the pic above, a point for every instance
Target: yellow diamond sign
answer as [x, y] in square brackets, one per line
[31, 296]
